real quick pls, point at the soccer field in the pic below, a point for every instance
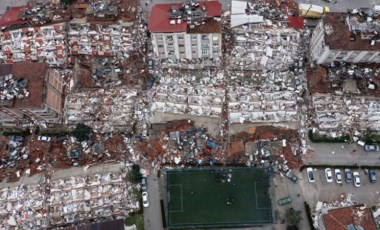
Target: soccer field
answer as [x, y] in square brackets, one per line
[214, 197]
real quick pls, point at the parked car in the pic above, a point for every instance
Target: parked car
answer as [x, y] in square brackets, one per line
[328, 174]
[372, 175]
[17, 138]
[43, 138]
[310, 174]
[289, 174]
[356, 179]
[338, 176]
[62, 139]
[145, 199]
[284, 201]
[371, 148]
[143, 183]
[348, 175]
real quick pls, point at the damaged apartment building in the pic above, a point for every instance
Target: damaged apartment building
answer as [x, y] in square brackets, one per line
[344, 91]
[345, 99]
[266, 64]
[99, 29]
[347, 37]
[30, 92]
[188, 34]
[26, 37]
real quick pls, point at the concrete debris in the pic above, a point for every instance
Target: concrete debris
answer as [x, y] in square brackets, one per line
[179, 95]
[103, 109]
[11, 88]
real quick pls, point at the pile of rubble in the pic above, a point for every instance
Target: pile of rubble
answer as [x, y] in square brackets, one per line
[245, 103]
[344, 98]
[23, 206]
[103, 109]
[87, 198]
[67, 201]
[11, 88]
[45, 43]
[100, 40]
[180, 95]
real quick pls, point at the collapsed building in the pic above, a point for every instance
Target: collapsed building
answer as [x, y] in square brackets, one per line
[347, 37]
[30, 93]
[101, 28]
[203, 99]
[105, 110]
[266, 47]
[188, 33]
[33, 34]
[345, 99]
[67, 201]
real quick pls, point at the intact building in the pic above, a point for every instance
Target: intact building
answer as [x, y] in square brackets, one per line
[30, 92]
[347, 37]
[189, 31]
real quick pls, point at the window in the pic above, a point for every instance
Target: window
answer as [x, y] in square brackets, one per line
[180, 37]
[216, 44]
[194, 45]
[193, 36]
[160, 46]
[169, 37]
[205, 51]
[181, 45]
[204, 37]
[182, 52]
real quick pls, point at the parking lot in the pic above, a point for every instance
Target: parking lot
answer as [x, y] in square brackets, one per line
[321, 190]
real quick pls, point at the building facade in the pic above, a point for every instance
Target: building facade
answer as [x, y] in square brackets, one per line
[187, 32]
[347, 37]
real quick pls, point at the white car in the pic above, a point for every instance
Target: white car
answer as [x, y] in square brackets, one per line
[310, 174]
[328, 174]
[356, 179]
[43, 138]
[338, 176]
[145, 199]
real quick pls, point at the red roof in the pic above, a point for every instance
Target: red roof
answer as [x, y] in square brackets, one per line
[295, 22]
[159, 17]
[11, 16]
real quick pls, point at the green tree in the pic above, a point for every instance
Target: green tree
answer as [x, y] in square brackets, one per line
[134, 174]
[82, 132]
[66, 2]
[293, 217]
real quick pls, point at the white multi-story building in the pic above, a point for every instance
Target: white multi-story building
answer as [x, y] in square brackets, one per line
[347, 37]
[187, 31]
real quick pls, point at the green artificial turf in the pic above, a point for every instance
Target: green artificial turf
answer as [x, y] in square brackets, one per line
[200, 197]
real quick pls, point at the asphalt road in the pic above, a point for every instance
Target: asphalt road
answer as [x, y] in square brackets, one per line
[342, 5]
[341, 154]
[152, 214]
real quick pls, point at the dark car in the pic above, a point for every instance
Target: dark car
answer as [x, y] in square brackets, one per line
[372, 175]
[17, 138]
[371, 148]
[289, 174]
[143, 183]
[348, 175]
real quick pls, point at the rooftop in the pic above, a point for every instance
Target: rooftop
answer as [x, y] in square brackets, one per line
[339, 36]
[341, 218]
[11, 16]
[35, 73]
[159, 21]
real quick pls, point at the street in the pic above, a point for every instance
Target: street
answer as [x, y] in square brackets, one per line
[340, 154]
[152, 214]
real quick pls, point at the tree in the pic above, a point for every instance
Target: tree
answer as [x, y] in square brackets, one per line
[293, 217]
[82, 132]
[66, 2]
[134, 174]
